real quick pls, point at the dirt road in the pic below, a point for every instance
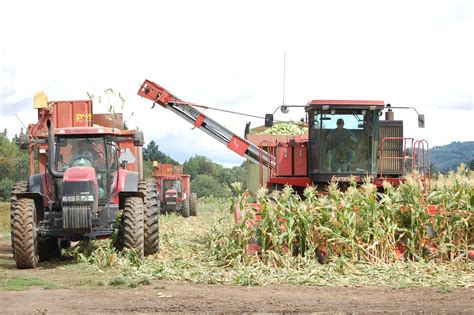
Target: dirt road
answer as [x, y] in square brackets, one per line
[167, 296]
[181, 297]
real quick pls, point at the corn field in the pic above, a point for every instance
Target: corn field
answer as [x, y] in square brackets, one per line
[359, 237]
[360, 224]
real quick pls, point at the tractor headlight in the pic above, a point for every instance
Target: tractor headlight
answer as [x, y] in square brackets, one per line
[87, 198]
[78, 198]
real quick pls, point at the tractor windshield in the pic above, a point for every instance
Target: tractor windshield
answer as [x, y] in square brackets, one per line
[93, 152]
[341, 142]
[174, 184]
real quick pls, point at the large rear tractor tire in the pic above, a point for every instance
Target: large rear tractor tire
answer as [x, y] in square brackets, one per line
[193, 204]
[185, 209]
[132, 230]
[25, 234]
[151, 216]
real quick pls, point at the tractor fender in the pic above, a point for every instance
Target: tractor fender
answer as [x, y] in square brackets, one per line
[41, 183]
[127, 181]
[127, 186]
[125, 194]
[39, 202]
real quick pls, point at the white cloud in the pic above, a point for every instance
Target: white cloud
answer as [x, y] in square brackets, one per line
[230, 55]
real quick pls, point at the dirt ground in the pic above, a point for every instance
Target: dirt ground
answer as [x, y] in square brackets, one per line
[168, 296]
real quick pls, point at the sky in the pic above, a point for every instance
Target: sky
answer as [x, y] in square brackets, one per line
[229, 54]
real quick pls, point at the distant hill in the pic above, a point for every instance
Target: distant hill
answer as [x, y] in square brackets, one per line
[448, 157]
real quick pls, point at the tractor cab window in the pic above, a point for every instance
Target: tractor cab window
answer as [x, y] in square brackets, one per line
[91, 152]
[340, 142]
[173, 184]
[81, 152]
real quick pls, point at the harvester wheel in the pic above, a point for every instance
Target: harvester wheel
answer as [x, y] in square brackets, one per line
[24, 233]
[18, 187]
[193, 203]
[151, 216]
[132, 225]
[185, 209]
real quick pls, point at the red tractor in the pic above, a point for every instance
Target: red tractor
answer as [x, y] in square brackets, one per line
[82, 176]
[174, 189]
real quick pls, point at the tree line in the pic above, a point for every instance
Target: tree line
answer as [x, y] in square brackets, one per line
[207, 178]
[14, 164]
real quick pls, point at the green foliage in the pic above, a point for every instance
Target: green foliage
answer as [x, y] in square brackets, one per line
[14, 166]
[286, 128]
[20, 283]
[201, 165]
[361, 224]
[198, 250]
[112, 99]
[152, 153]
[206, 185]
[4, 217]
[448, 157]
[212, 179]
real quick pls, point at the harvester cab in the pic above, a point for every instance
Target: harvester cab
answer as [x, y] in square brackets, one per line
[343, 139]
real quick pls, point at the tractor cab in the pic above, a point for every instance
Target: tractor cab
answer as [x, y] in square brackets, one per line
[97, 152]
[343, 139]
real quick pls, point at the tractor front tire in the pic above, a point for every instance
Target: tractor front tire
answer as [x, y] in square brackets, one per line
[151, 216]
[132, 229]
[193, 203]
[185, 209]
[25, 234]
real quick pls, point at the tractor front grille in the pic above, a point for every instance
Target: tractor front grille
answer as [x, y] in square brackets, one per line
[77, 218]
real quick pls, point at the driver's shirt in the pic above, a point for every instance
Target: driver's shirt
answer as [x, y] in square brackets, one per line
[85, 154]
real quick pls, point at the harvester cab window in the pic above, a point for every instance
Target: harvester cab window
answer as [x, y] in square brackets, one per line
[340, 142]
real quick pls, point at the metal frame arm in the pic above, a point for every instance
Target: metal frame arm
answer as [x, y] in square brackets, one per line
[186, 111]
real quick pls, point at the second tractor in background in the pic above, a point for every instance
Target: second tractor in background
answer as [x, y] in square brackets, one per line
[174, 189]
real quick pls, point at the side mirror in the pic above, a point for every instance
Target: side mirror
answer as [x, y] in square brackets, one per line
[421, 121]
[247, 129]
[138, 139]
[24, 141]
[124, 164]
[268, 120]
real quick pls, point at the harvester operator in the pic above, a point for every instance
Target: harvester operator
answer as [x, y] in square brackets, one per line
[340, 144]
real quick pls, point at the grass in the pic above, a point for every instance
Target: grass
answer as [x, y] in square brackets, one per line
[20, 283]
[4, 218]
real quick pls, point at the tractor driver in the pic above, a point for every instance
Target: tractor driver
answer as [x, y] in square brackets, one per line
[340, 142]
[82, 156]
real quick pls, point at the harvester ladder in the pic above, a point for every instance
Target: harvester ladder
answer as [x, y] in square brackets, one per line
[414, 156]
[187, 111]
[422, 161]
